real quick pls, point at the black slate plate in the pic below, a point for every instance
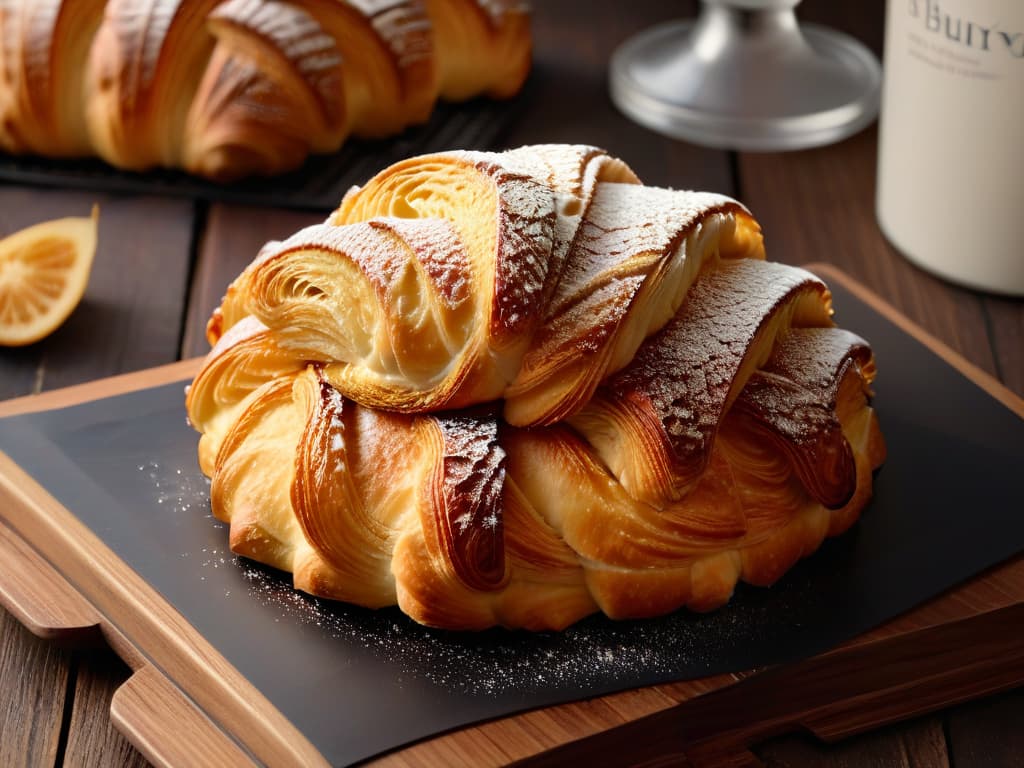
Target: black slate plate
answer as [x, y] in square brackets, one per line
[359, 682]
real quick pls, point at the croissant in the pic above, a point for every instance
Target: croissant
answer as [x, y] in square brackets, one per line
[230, 88]
[417, 301]
[518, 388]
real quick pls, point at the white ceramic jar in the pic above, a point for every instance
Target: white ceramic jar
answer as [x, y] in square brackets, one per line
[951, 139]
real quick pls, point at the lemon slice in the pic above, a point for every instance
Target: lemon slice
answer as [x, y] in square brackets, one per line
[43, 273]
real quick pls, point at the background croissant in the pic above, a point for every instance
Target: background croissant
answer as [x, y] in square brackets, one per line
[518, 388]
[228, 88]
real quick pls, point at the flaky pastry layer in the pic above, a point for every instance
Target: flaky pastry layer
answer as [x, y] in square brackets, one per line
[231, 88]
[689, 414]
[461, 278]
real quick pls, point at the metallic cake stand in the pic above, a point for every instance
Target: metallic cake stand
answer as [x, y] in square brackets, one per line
[745, 75]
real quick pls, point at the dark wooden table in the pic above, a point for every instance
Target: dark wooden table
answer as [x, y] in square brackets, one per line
[163, 263]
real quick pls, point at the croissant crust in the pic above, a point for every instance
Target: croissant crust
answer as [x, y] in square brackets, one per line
[515, 389]
[231, 88]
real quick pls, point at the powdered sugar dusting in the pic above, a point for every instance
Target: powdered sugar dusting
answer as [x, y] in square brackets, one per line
[177, 490]
[626, 221]
[497, 10]
[377, 254]
[526, 230]
[572, 173]
[686, 371]
[806, 429]
[628, 235]
[299, 38]
[140, 28]
[526, 217]
[402, 25]
[795, 413]
[440, 252]
[813, 357]
[594, 655]
[28, 35]
[382, 249]
[796, 391]
[474, 478]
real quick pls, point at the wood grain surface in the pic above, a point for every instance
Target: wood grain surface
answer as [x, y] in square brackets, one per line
[36, 677]
[100, 674]
[163, 263]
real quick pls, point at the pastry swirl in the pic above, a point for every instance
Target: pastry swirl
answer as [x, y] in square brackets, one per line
[667, 415]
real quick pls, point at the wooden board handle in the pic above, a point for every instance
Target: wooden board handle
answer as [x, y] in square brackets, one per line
[168, 728]
[40, 598]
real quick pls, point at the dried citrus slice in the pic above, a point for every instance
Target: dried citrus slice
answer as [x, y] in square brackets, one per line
[43, 273]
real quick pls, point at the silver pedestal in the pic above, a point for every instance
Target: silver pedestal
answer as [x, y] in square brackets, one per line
[746, 76]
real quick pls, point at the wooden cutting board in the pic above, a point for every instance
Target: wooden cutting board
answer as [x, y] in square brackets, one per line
[185, 700]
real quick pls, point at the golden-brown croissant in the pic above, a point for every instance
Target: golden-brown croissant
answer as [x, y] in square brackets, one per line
[228, 88]
[465, 277]
[518, 388]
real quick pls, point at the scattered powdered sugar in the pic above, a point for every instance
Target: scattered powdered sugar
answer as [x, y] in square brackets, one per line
[470, 663]
[213, 557]
[595, 655]
[183, 491]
